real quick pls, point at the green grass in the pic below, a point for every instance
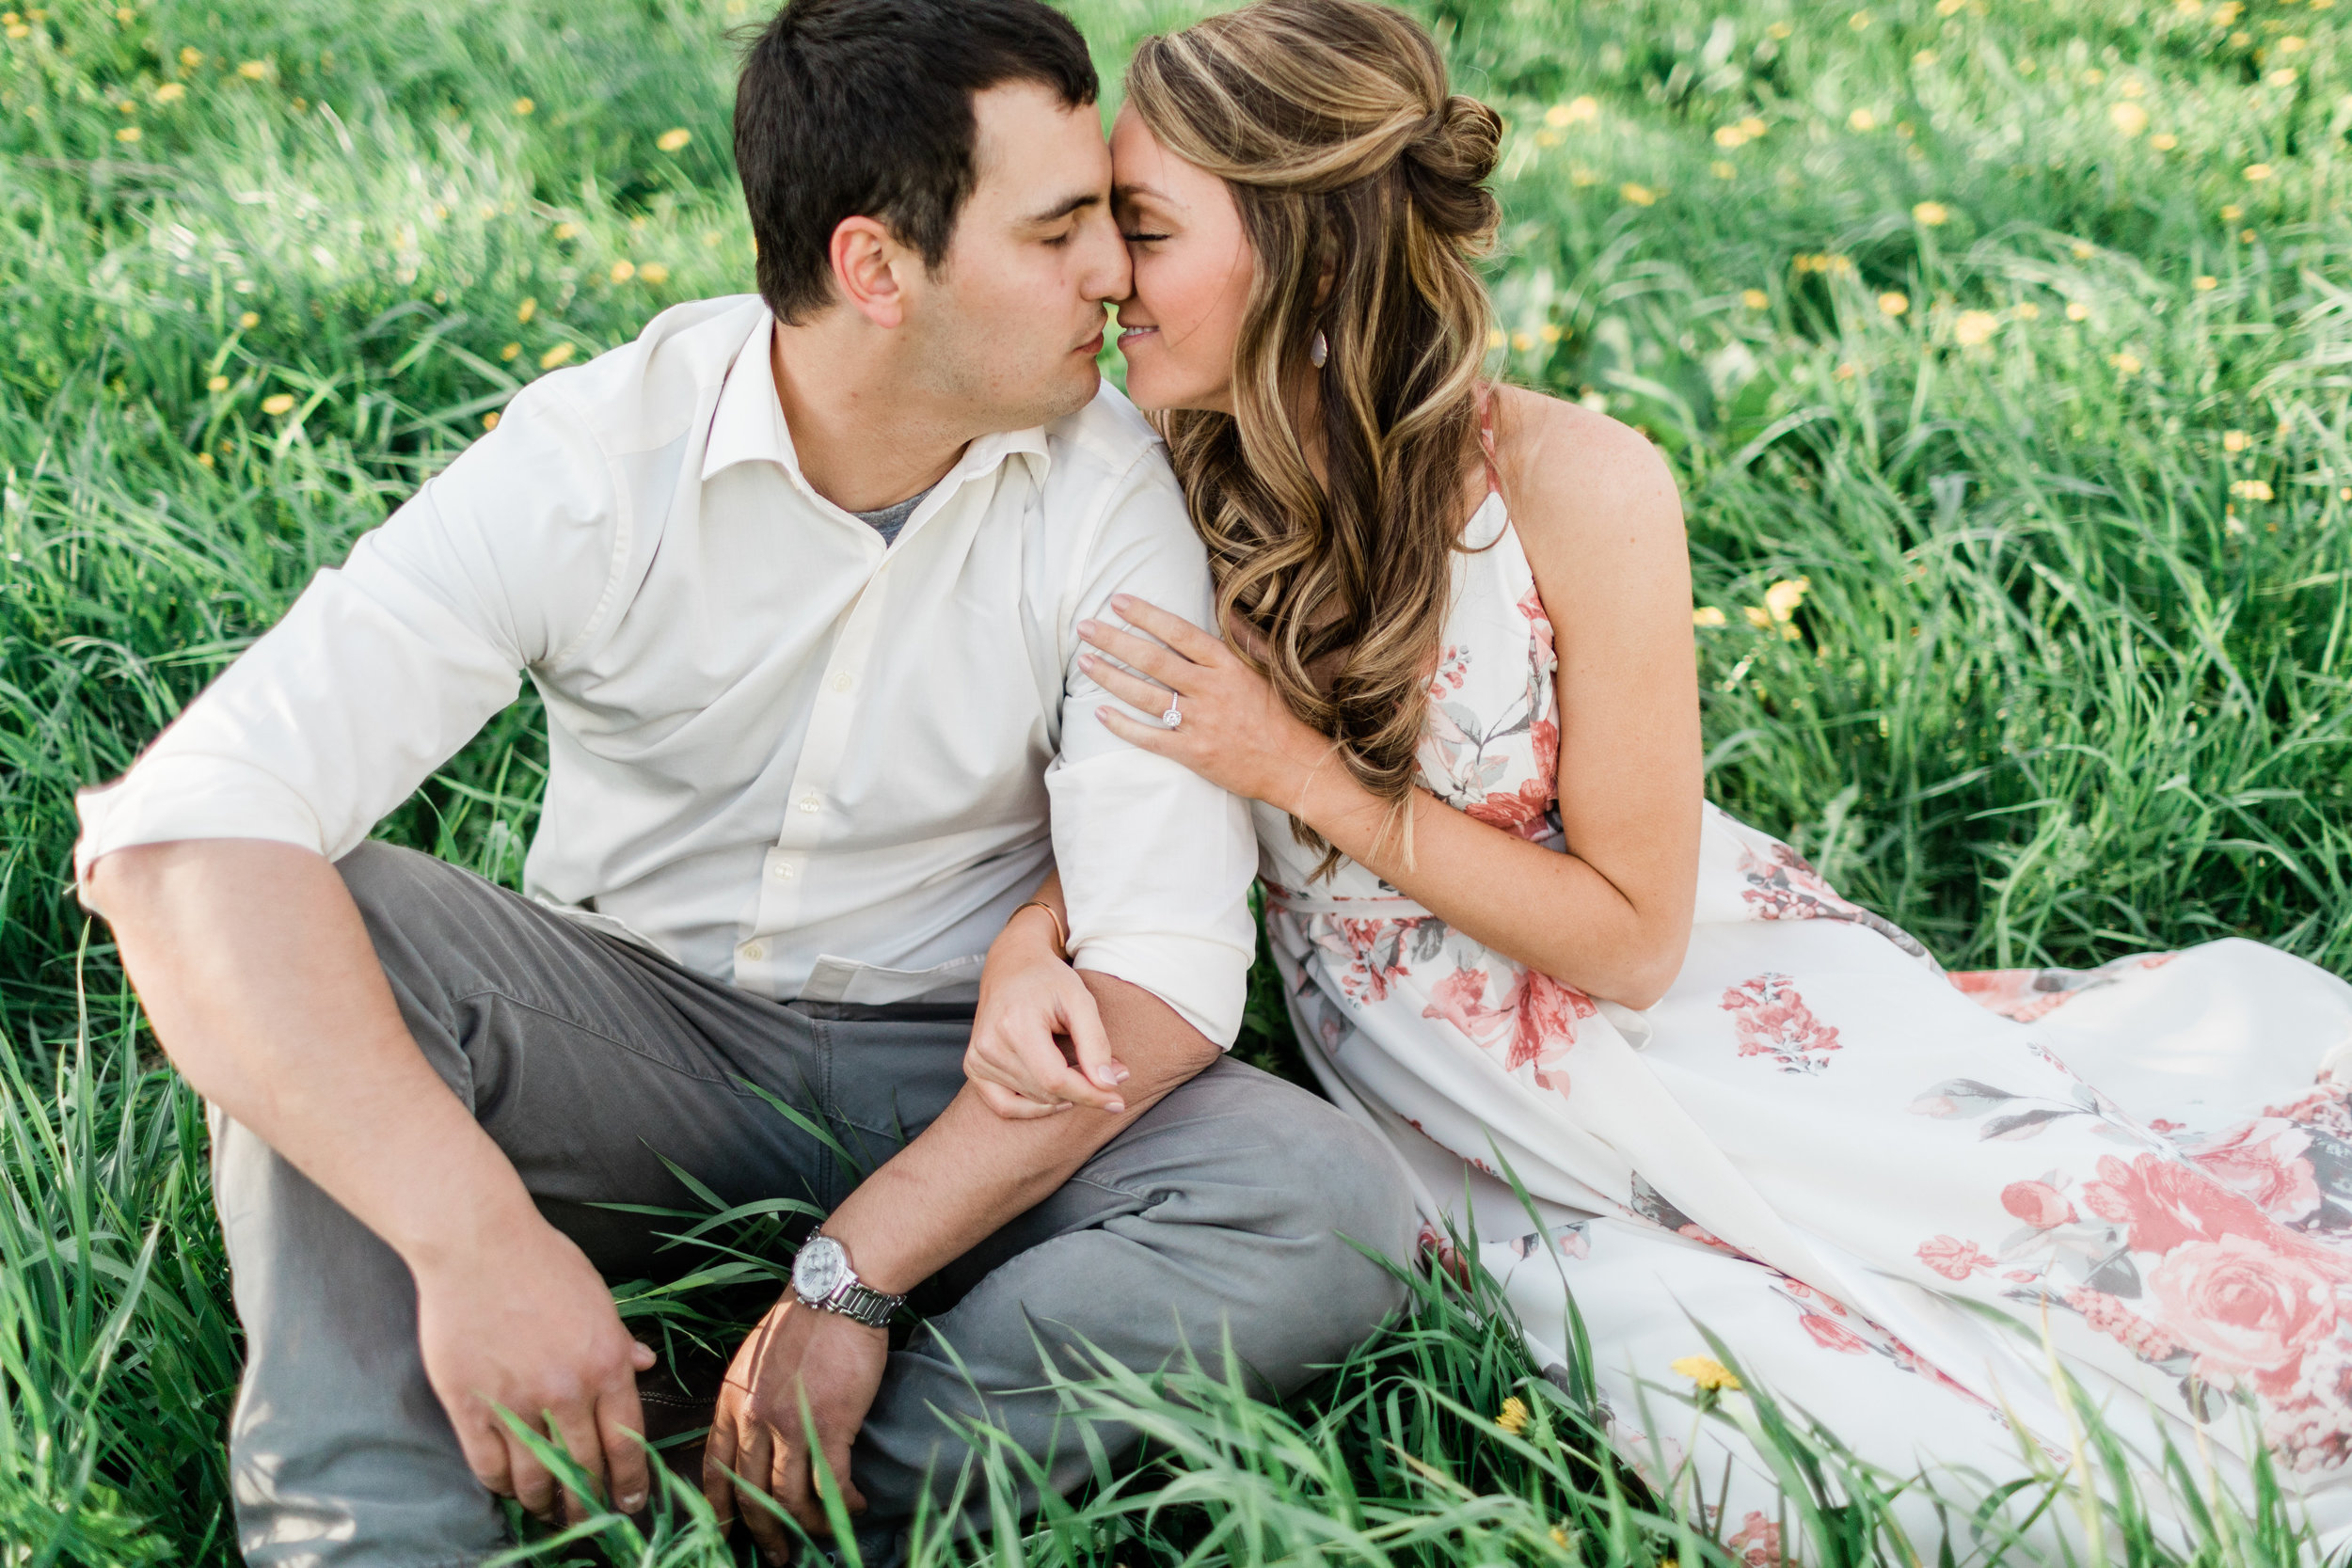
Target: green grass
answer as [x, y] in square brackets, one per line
[2069, 677]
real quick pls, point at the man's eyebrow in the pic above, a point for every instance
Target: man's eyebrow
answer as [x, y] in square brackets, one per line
[1128, 193]
[1077, 203]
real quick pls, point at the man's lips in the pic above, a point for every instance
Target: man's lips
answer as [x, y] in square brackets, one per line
[1091, 346]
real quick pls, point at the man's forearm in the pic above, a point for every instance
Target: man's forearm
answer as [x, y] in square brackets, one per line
[262, 987]
[972, 1171]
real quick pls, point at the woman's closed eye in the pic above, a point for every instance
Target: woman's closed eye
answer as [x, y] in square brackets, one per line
[1141, 239]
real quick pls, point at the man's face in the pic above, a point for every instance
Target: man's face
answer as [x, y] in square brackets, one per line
[1010, 327]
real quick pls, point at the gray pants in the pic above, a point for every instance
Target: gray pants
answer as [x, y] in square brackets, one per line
[1225, 1209]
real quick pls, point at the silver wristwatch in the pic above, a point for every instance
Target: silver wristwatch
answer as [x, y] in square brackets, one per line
[822, 1278]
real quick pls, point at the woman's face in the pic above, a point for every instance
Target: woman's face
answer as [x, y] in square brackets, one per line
[1192, 271]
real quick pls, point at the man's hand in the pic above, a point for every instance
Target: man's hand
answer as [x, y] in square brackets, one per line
[533, 1330]
[797, 1356]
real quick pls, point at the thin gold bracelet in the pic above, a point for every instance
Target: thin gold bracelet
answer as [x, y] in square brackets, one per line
[1061, 932]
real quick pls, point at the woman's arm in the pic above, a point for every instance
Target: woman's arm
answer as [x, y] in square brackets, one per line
[1596, 511]
[1032, 1000]
[1596, 508]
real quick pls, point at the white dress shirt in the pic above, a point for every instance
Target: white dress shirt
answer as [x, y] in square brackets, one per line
[780, 750]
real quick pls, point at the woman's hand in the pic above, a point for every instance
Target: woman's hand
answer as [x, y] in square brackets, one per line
[1031, 999]
[1231, 728]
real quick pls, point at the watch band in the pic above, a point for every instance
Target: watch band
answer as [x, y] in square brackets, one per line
[860, 1302]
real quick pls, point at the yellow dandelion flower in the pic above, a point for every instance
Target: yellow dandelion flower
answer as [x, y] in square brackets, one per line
[1640, 195]
[253, 70]
[1560, 1538]
[2127, 118]
[2283, 77]
[1707, 615]
[654, 273]
[1948, 7]
[623, 271]
[2092, 77]
[1578, 175]
[1858, 21]
[1780, 30]
[17, 31]
[217, 384]
[2132, 86]
[1496, 338]
[1971, 328]
[1723, 170]
[2250, 490]
[1549, 332]
[1863, 119]
[129, 133]
[528, 309]
[126, 14]
[1728, 136]
[1521, 343]
[129, 105]
[566, 230]
[2082, 251]
[1547, 138]
[490, 420]
[1581, 109]
[204, 459]
[2245, 236]
[1512, 1419]
[2164, 141]
[511, 351]
[523, 105]
[1839, 266]
[1556, 116]
[1930, 214]
[191, 57]
[1923, 60]
[2235, 440]
[278, 403]
[1755, 299]
[711, 237]
[674, 139]
[2258, 172]
[2076, 311]
[2345, 494]
[250, 320]
[1707, 1372]
[1752, 127]
[555, 356]
[171, 92]
[2291, 44]
[2227, 12]
[1782, 598]
[1761, 618]
[1893, 303]
[2025, 310]
[2126, 363]
[2207, 282]
[2232, 212]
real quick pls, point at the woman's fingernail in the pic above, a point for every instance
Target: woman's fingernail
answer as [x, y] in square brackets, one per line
[1088, 628]
[1118, 1074]
[1122, 601]
[1117, 1107]
[1085, 661]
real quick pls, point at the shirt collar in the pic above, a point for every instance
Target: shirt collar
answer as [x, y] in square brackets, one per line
[748, 425]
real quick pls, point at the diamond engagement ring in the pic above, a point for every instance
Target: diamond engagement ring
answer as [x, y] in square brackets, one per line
[1171, 717]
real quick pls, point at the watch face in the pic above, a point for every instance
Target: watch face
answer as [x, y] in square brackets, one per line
[822, 1265]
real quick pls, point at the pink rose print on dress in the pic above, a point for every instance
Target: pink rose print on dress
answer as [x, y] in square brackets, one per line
[2111, 1317]
[1773, 1021]
[1543, 1025]
[1460, 999]
[2023, 995]
[2245, 1309]
[1953, 1257]
[2265, 1163]
[1830, 1334]
[2038, 1204]
[2168, 1203]
[1757, 1541]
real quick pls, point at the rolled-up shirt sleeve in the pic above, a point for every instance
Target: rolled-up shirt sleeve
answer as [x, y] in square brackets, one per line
[1155, 860]
[384, 668]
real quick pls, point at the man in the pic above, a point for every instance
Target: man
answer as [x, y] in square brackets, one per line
[796, 577]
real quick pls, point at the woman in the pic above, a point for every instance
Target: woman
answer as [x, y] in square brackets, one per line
[1460, 692]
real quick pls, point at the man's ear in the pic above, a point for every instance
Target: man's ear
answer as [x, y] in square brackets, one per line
[865, 260]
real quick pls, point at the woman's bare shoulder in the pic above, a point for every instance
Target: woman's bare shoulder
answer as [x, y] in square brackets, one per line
[1581, 486]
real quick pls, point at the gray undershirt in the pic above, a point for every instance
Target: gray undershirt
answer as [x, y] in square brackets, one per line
[888, 520]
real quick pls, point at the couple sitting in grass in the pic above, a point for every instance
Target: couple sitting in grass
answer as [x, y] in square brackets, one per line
[920, 715]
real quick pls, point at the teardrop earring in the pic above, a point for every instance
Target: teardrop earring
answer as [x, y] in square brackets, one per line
[1318, 351]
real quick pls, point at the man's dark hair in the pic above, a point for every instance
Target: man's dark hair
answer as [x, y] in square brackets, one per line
[864, 107]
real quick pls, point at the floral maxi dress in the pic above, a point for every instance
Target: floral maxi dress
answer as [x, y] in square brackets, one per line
[1836, 1155]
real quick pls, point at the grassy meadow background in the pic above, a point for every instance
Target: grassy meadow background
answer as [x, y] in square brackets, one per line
[2001, 347]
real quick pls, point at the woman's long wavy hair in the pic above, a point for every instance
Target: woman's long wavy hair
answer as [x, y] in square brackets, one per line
[1359, 181]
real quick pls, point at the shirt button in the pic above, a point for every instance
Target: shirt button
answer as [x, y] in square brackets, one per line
[785, 871]
[812, 801]
[755, 951]
[843, 681]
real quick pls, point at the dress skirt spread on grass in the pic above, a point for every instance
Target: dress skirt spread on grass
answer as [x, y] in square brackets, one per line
[1881, 1183]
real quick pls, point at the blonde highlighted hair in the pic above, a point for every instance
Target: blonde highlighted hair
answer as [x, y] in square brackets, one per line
[1360, 179]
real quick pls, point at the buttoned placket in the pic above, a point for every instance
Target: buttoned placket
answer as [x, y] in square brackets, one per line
[809, 807]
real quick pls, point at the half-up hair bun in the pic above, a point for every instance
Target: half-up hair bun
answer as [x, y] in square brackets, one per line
[1452, 158]
[1359, 177]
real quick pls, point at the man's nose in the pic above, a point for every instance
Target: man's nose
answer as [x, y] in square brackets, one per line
[1110, 275]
